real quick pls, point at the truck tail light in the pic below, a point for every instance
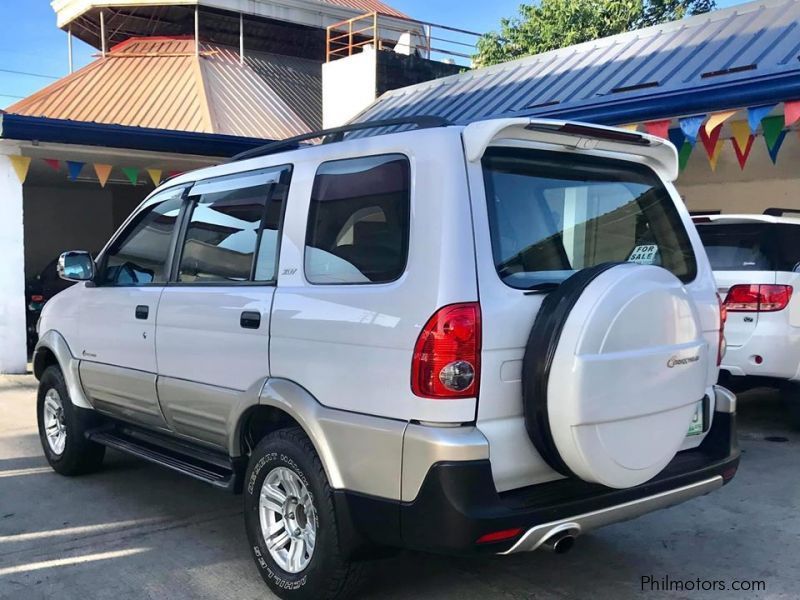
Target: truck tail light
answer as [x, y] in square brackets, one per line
[446, 361]
[758, 298]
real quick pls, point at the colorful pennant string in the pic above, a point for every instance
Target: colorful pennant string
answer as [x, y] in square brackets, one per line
[755, 114]
[683, 155]
[710, 139]
[74, 169]
[658, 128]
[791, 112]
[103, 172]
[155, 175]
[132, 173]
[718, 119]
[21, 165]
[743, 150]
[691, 126]
[713, 158]
[53, 163]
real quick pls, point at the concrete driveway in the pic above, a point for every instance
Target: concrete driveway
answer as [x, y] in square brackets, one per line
[138, 531]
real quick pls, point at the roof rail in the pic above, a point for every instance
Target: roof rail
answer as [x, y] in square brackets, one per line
[336, 134]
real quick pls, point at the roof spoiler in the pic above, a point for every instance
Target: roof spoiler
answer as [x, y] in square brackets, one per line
[657, 152]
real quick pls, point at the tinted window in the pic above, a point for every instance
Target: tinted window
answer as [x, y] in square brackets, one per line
[226, 228]
[140, 257]
[358, 221]
[550, 216]
[751, 246]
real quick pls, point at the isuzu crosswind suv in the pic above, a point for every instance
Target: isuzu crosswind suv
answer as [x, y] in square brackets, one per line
[472, 339]
[756, 263]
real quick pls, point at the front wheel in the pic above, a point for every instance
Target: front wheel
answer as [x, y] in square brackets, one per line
[291, 521]
[62, 428]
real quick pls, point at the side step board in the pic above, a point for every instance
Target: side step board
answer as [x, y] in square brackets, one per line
[199, 463]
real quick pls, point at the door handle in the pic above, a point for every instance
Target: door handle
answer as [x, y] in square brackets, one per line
[250, 319]
[142, 312]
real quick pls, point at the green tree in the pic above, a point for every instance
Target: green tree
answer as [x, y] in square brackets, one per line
[551, 24]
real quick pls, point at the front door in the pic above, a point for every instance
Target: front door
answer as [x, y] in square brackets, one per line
[117, 318]
[212, 333]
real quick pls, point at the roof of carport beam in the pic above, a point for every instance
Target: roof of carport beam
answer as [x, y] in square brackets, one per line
[42, 129]
[744, 55]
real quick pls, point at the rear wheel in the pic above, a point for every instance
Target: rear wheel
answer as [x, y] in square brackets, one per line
[62, 428]
[291, 522]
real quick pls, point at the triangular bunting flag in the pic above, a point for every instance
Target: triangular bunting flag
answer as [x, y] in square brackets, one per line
[74, 169]
[743, 150]
[776, 146]
[690, 126]
[772, 127]
[714, 156]
[710, 139]
[155, 176]
[677, 137]
[718, 119]
[132, 173]
[53, 163]
[741, 132]
[103, 172]
[658, 128]
[791, 112]
[174, 174]
[630, 126]
[21, 165]
[755, 114]
[684, 154]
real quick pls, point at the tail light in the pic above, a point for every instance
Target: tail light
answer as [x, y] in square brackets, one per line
[446, 362]
[758, 298]
[723, 316]
[37, 298]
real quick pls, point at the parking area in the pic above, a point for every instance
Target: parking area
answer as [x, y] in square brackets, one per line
[138, 531]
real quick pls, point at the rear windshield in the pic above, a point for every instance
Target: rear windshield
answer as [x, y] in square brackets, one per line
[751, 246]
[551, 214]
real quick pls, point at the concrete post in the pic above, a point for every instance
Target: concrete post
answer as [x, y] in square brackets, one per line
[13, 353]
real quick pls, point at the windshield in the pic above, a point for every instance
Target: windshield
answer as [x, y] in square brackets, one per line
[551, 214]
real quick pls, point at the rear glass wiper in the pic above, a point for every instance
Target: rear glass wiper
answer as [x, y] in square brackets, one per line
[543, 287]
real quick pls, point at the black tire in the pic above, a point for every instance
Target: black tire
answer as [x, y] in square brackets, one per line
[79, 456]
[539, 352]
[330, 574]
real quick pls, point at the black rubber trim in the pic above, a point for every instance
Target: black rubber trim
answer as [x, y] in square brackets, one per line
[538, 360]
[458, 502]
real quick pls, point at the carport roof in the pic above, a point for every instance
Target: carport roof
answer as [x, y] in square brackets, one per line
[163, 83]
[740, 56]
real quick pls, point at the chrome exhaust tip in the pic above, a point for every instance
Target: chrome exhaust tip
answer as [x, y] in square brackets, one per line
[560, 542]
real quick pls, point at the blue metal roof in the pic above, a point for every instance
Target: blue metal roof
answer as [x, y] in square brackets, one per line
[740, 56]
[42, 129]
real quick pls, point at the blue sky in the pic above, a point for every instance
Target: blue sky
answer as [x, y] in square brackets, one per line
[31, 43]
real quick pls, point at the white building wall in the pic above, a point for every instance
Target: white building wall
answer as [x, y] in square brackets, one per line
[349, 85]
[13, 354]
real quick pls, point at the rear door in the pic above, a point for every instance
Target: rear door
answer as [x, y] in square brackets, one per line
[212, 333]
[540, 217]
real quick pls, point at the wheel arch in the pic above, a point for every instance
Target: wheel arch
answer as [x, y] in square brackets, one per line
[52, 349]
[358, 452]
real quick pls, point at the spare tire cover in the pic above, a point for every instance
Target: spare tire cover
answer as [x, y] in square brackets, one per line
[615, 364]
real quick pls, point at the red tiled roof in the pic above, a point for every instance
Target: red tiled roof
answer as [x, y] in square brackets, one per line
[161, 83]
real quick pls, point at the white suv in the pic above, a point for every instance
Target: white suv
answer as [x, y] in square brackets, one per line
[756, 262]
[411, 335]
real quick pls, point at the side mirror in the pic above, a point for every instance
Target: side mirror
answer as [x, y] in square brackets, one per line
[76, 266]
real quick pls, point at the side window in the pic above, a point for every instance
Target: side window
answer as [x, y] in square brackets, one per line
[232, 235]
[140, 255]
[358, 221]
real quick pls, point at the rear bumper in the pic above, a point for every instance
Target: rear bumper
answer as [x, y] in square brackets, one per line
[778, 345]
[458, 502]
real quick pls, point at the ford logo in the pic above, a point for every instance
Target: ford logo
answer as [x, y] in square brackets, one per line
[677, 362]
